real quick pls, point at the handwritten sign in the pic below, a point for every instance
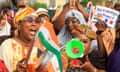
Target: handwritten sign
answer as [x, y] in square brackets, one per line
[109, 16]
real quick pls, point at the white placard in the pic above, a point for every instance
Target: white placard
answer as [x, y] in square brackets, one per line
[109, 16]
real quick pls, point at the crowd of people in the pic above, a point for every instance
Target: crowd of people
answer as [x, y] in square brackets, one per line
[21, 49]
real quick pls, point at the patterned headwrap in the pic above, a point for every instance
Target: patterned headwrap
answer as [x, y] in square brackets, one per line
[86, 30]
[76, 14]
[22, 14]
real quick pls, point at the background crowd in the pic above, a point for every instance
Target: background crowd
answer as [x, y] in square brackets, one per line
[21, 50]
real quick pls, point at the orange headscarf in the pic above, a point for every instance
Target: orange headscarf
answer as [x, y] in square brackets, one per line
[22, 14]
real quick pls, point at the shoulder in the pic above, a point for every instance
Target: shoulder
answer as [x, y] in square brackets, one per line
[7, 41]
[10, 40]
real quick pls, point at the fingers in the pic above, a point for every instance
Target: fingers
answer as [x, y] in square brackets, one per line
[71, 3]
[97, 24]
[82, 66]
[86, 62]
[21, 66]
[23, 61]
[87, 59]
[104, 25]
[101, 26]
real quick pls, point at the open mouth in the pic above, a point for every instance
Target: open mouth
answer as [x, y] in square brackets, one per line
[33, 31]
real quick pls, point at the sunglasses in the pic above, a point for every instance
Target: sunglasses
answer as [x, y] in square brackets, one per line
[73, 21]
[30, 19]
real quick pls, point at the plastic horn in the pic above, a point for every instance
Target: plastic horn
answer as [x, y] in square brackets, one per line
[75, 48]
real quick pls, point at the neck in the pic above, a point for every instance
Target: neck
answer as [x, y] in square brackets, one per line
[24, 41]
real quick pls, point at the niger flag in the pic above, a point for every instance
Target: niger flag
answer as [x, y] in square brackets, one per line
[49, 44]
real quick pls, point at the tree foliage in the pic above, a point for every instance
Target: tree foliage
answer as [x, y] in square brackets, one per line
[38, 5]
[84, 2]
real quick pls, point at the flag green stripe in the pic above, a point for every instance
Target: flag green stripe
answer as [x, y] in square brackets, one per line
[51, 49]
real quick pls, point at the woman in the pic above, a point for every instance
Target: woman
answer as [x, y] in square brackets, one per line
[15, 51]
[44, 17]
[20, 44]
[60, 19]
[5, 29]
[72, 17]
[93, 60]
[108, 41]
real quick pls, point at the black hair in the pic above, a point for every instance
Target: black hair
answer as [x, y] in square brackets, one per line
[116, 5]
[98, 59]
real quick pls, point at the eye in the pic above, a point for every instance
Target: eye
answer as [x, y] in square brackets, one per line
[37, 20]
[85, 41]
[28, 19]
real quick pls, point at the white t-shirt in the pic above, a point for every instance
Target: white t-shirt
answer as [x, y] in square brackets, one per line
[6, 30]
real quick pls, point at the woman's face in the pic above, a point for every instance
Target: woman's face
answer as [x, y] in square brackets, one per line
[109, 4]
[2, 23]
[44, 18]
[70, 22]
[86, 41]
[28, 27]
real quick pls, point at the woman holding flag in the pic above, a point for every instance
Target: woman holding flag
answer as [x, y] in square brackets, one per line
[21, 53]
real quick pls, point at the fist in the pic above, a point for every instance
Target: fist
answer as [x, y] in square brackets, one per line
[21, 66]
[101, 26]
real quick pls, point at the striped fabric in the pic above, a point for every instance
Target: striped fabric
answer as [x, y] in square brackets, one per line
[50, 45]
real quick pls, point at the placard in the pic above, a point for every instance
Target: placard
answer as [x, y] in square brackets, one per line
[109, 16]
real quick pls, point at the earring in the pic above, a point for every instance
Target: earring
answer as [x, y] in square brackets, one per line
[16, 33]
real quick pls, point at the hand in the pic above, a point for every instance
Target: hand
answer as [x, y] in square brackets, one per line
[78, 5]
[87, 66]
[71, 4]
[101, 26]
[80, 8]
[74, 30]
[21, 66]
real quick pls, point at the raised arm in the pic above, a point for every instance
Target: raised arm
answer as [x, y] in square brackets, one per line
[81, 9]
[101, 27]
[59, 21]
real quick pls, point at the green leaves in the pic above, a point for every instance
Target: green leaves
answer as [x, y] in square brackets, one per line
[39, 5]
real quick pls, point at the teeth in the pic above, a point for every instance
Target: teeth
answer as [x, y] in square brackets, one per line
[32, 32]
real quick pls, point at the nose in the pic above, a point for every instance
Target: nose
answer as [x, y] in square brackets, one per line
[33, 23]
